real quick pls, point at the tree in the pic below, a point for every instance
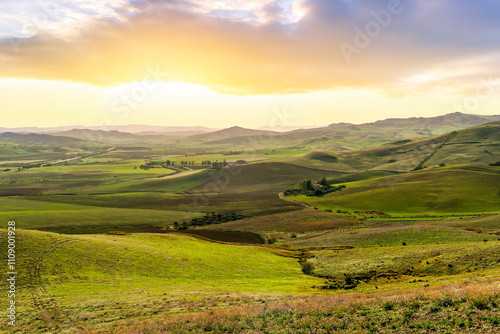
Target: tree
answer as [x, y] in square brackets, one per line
[306, 185]
[323, 182]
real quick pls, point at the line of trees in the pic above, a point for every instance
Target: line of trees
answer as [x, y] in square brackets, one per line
[209, 219]
[205, 163]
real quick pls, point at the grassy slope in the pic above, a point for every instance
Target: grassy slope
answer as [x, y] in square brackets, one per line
[74, 218]
[479, 144]
[81, 280]
[439, 191]
[297, 221]
[265, 177]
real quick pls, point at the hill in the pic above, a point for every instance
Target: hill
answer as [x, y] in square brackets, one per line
[43, 139]
[232, 134]
[342, 135]
[69, 282]
[434, 191]
[264, 177]
[480, 145]
[111, 137]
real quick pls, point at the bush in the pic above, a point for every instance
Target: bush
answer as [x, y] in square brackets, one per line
[445, 302]
[481, 304]
[271, 240]
[307, 267]
[388, 306]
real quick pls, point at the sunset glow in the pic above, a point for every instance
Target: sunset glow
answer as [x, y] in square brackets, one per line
[392, 58]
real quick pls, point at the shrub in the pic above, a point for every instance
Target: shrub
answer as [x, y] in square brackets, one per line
[445, 302]
[307, 267]
[271, 240]
[388, 306]
[481, 304]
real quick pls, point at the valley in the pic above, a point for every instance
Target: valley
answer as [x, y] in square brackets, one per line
[220, 231]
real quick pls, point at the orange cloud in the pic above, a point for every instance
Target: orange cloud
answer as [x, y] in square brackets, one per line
[235, 56]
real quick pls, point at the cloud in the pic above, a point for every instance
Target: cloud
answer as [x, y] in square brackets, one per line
[272, 47]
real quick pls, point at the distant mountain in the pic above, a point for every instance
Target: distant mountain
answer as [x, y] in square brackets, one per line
[336, 136]
[233, 133]
[475, 145]
[138, 128]
[102, 136]
[43, 139]
[456, 119]
[132, 128]
[339, 135]
[284, 128]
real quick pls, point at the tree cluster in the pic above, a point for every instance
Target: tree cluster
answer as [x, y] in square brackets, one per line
[310, 188]
[209, 219]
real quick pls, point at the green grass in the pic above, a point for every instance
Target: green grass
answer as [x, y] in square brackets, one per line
[98, 279]
[432, 260]
[73, 218]
[483, 224]
[123, 166]
[438, 191]
[392, 236]
[266, 176]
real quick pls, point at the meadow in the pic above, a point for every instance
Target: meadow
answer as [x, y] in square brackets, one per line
[162, 274]
[434, 191]
[410, 245]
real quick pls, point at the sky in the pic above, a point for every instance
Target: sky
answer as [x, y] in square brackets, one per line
[249, 63]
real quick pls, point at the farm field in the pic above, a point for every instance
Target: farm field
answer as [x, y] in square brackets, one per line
[57, 270]
[437, 191]
[250, 167]
[220, 248]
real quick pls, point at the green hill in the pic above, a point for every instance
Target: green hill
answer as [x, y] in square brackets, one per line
[75, 282]
[265, 176]
[480, 144]
[42, 139]
[436, 191]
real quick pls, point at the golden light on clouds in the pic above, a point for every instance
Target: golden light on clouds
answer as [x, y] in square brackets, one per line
[265, 47]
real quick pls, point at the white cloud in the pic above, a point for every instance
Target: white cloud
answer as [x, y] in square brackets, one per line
[25, 18]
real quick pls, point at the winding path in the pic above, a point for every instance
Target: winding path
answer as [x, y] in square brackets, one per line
[283, 197]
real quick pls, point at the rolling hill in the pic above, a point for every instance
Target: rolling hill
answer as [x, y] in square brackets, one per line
[112, 136]
[479, 145]
[72, 283]
[447, 190]
[346, 136]
[43, 139]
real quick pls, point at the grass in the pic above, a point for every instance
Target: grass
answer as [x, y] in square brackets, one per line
[437, 191]
[481, 225]
[297, 221]
[266, 176]
[120, 167]
[411, 235]
[469, 308]
[70, 282]
[74, 218]
[178, 283]
[382, 264]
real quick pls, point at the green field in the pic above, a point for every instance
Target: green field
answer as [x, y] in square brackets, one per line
[105, 246]
[73, 218]
[161, 274]
[438, 191]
